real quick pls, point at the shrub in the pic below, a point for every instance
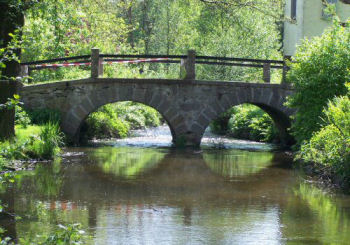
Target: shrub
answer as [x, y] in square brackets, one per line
[104, 124]
[252, 123]
[319, 72]
[115, 120]
[2, 163]
[21, 117]
[138, 115]
[70, 234]
[14, 150]
[330, 146]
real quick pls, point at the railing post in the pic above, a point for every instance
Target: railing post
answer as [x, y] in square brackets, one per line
[267, 72]
[285, 68]
[95, 63]
[187, 66]
[24, 71]
[100, 67]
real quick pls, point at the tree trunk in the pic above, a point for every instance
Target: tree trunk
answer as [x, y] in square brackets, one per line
[12, 18]
[7, 116]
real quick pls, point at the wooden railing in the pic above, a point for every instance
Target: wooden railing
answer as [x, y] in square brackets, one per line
[187, 63]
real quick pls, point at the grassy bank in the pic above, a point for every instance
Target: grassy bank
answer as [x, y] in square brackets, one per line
[40, 142]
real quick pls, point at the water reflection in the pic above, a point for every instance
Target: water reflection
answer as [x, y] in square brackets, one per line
[233, 163]
[162, 196]
[313, 211]
[126, 162]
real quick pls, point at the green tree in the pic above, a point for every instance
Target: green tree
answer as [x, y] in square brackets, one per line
[329, 147]
[319, 72]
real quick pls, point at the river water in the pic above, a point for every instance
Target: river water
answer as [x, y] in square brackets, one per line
[141, 191]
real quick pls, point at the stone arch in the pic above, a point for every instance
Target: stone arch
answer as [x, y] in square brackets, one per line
[75, 116]
[269, 100]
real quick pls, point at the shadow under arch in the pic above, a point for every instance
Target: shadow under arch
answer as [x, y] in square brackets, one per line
[281, 120]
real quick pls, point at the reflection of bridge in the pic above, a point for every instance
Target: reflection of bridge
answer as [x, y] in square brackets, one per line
[177, 177]
[187, 105]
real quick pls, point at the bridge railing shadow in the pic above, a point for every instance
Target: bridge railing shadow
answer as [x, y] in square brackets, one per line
[188, 62]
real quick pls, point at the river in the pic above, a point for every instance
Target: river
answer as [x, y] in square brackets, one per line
[141, 191]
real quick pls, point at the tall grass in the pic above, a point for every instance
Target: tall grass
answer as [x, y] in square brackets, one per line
[47, 145]
[33, 142]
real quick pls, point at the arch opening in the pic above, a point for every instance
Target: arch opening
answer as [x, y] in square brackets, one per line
[118, 120]
[252, 121]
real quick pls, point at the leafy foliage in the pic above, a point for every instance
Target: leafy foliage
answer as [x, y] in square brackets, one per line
[330, 146]
[65, 28]
[8, 52]
[319, 72]
[247, 122]
[11, 103]
[105, 123]
[66, 235]
[115, 120]
[21, 117]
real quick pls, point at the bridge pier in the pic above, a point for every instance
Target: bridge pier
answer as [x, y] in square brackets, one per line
[187, 139]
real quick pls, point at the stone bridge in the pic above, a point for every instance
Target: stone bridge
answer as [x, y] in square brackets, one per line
[188, 106]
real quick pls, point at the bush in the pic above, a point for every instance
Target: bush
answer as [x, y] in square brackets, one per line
[115, 120]
[319, 73]
[2, 163]
[105, 123]
[252, 123]
[70, 234]
[21, 117]
[330, 146]
[247, 122]
[138, 115]
[15, 150]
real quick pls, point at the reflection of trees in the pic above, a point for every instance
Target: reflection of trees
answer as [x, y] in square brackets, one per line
[235, 163]
[41, 218]
[36, 202]
[47, 179]
[314, 213]
[7, 218]
[127, 162]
